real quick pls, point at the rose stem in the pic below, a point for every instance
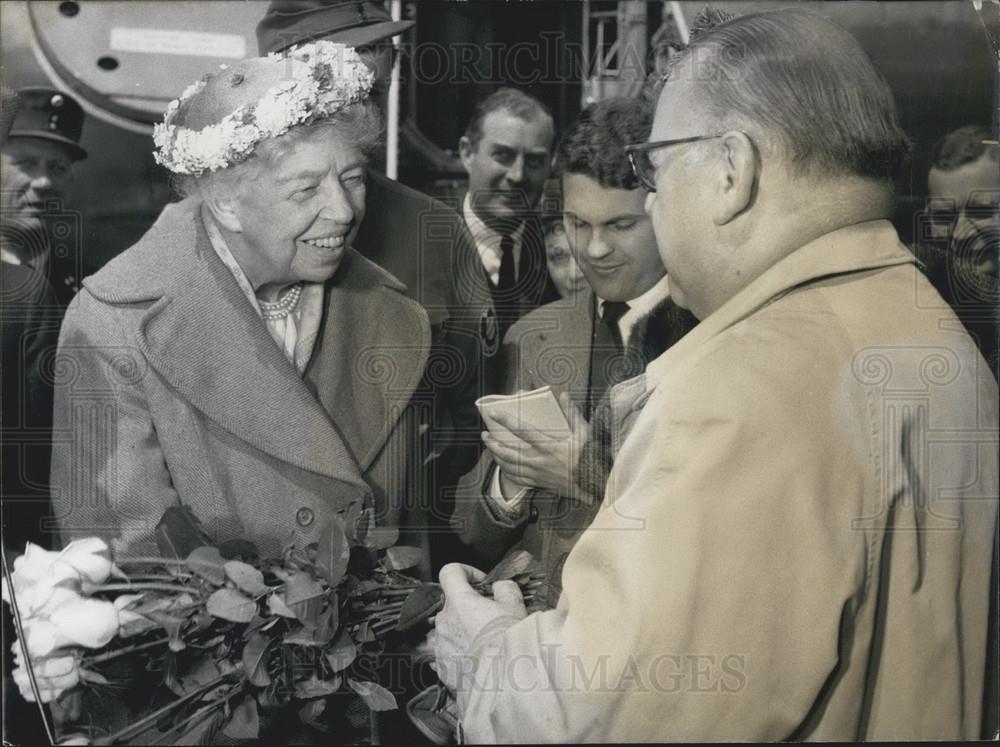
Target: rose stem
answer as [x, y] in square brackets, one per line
[88, 660]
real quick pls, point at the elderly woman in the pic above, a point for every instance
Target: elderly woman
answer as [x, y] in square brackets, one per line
[242, 359]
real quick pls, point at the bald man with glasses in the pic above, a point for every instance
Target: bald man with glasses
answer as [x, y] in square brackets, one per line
[795, 539]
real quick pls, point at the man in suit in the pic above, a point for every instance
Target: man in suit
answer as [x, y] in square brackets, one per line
[795, 538]
[417, 239]
[507, 152]
[524, 493]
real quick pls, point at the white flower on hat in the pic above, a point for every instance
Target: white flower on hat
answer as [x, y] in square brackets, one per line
[332, 77]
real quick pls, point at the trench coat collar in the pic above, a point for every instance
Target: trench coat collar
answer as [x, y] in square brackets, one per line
[201, 334]
[854, 248]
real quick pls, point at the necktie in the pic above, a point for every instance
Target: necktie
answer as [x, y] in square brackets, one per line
[504, 293]
[507, 280]
[606, 351]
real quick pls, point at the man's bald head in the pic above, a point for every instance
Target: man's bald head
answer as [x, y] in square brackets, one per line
[800, 86]
[771, 130]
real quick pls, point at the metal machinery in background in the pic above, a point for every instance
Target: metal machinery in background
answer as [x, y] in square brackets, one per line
[617, 44]
[125, 61]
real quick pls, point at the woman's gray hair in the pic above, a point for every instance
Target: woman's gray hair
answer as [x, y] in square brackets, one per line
[359, 124]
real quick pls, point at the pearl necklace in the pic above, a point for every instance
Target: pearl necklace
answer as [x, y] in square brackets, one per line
[271, 310]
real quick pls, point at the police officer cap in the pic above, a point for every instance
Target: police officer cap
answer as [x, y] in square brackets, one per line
[48, 114]
[353, 23]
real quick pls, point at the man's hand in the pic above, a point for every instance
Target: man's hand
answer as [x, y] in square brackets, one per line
[530, 458]
[468, 623]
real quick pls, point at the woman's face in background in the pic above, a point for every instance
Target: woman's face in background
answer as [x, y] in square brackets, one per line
[563, 270]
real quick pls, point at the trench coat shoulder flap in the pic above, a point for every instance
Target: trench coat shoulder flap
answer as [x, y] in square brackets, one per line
[198, 332]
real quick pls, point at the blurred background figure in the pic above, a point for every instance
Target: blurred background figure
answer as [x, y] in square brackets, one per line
[25, 419]
[564, 272]
[38, 158]
[960, 237]
[40, 144]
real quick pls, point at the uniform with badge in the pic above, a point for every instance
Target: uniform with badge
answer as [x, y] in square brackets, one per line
[49, 242]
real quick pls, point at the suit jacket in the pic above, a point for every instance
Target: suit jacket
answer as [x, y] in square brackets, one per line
[473, 289]
[795, 539]
[552, 346]
[174, 393]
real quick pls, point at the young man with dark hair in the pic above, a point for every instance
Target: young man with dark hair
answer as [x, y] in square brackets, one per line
[530, 490]
[795, 540]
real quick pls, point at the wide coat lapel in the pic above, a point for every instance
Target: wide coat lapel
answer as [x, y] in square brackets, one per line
[205, 339]
[371, 354]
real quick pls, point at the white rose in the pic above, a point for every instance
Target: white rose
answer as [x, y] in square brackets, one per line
[40, 600]
[90, 557]
[53, 676]
[86, 622]
[41, 580]
[41, 638]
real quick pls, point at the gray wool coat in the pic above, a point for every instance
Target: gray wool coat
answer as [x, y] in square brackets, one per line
[170, 391]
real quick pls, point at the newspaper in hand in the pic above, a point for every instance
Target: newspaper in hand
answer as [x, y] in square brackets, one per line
[538, 409]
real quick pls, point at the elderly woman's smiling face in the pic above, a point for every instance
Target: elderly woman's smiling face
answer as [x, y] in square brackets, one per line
[297, 217]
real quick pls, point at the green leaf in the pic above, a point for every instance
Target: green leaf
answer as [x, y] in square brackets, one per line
[401, 557]
[422, 603]
[245, 721]
[172, 624]
[203, 730]
[253, 660]
[317, 688]
[246, 577]
[380, 538]
[229, 604]
[333, 552]
[207, 563]
[276, 605]
[238, 549]
[302, 637]
[87, 675]
[179, 532]
[309, 713]
[514, 564]
[304, 596]
[342, 652]
[374, 695]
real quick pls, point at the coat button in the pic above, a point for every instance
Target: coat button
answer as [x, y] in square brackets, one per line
[533, 515]
[304, 516]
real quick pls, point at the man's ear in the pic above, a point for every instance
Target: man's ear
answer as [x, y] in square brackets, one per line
[737, 177]
[223, 210]
[466, 151]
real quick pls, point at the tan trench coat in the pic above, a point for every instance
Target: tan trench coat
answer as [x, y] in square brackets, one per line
[170, 391]
[796, 537]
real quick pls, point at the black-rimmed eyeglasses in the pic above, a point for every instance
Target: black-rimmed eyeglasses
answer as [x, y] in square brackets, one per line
[642, 167]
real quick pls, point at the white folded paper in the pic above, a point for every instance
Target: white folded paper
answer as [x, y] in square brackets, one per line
[538, 409]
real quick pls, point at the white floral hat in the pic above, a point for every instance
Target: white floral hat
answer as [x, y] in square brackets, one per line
[219, 120]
